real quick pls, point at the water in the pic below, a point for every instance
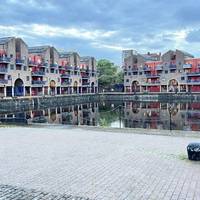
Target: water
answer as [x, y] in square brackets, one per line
[147, 115]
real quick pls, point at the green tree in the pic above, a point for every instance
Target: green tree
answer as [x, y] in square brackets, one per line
[108, 74]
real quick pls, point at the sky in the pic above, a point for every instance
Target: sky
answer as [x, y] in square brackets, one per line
[103, 28]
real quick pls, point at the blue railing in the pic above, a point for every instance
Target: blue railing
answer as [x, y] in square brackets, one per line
[145, 68]
[32, 63]
[187, 65]
[69, 68]
[85, 83]
[3, 81]
[193, 73]
[66, 83]
[4, 59]
[38, 73]
[159, 67]
[53, 65]
[152, 75]
[85, 76]
[19, 61]
[193, 81]
[65, 75]
[172, 66]
[38, 82]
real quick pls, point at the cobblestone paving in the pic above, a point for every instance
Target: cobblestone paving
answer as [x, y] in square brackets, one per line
[16, 193]
[97, 164]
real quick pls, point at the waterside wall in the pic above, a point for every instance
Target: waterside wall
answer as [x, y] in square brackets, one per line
[22, 104]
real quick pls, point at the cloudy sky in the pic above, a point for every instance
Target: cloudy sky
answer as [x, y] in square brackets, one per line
[103, 28]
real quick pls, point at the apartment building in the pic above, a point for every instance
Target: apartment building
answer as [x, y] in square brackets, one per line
[174, 71]
[89, 74]
[39, 70]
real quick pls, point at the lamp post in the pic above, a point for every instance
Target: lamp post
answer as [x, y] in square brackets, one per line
[170, 117]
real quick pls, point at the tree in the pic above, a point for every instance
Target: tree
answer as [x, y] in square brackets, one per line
[108, 74]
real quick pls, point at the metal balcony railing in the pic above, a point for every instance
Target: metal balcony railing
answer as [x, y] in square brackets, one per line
[85, 83]
[172, 66]
[54, 65]
[38, 73]
[3, 81]
[38, 82]
[193, 81]
[66, 83]
[187, 66]
[4, 60]
[197, 73]
[65, 75]
[19, 62]
[152, 75]
[33, 63]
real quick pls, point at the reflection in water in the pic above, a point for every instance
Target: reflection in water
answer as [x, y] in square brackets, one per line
[148, 115]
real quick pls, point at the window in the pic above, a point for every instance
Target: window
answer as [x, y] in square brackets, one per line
[25, 68]
[129, 73]
[27, 78]
[140, 73]
[9, 77]
[127, 80]
[183, 78]
[58, 79]
[166, 71]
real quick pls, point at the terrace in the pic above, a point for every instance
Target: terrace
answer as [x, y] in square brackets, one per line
[4, 60]
[38, 73]
[38, 82]
[19, 62]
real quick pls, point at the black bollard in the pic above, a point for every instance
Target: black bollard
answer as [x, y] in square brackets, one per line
[193, 150]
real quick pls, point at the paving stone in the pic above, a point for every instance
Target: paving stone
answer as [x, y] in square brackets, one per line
[79, 164]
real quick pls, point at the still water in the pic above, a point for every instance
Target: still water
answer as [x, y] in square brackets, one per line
[148, 115]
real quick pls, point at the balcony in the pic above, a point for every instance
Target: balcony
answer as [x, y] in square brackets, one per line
[32, 63]
[76, 68]
[145, 68]
[193, 73]
[153, 83]
[38, 73]
[85, 76]
[65, 75]
[159, 67]
[152, 75]
[38, 82]
[19, 62]
[62, 68]
[45, 64]
[85, 84]
[134, 69]
[65, 83]
[53, 66]
[4, 60]
[69, 68]
[193, 81]
[187, 66]
[3, 70]
[172, 66]
[3, 81]
[82, 69]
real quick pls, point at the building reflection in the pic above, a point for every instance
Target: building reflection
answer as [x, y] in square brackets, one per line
[157, 115]
[147, 115]
[84, 114]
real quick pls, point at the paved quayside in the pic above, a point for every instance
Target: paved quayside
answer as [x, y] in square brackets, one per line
[95, 164]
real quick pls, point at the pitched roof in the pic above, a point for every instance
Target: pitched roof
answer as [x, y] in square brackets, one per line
[38, 49]
[5, 40]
